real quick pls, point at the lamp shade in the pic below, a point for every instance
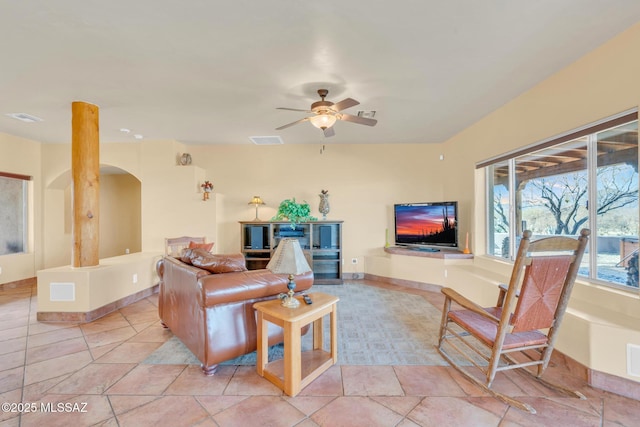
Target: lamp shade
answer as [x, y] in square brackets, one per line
[256, 201]
[289, 258]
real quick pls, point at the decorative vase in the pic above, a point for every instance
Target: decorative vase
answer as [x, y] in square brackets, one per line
[324, 207]
[205, 195]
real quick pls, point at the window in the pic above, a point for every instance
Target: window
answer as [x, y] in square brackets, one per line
[588, 178]
[13, 213]
[498, 190]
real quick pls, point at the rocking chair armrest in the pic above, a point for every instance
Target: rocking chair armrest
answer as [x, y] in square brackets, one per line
[468, 304]
[503, 293]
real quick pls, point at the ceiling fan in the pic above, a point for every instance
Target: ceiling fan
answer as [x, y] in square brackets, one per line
[326, 113]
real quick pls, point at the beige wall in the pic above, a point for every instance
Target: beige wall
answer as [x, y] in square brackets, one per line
[120, 210]
[364, 181]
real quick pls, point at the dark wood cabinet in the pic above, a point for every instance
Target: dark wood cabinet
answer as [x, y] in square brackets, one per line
[321, 242]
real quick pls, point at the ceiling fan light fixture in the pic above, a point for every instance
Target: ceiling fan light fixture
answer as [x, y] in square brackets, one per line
[326, 113]
[323, 121]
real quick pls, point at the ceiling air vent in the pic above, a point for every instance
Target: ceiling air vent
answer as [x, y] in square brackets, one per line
[266, 140]
[25, 117]
[367, 114]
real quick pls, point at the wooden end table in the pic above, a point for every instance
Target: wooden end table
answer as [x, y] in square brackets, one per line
[298, 368]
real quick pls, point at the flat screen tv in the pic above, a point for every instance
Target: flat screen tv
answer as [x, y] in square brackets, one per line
[426, 225]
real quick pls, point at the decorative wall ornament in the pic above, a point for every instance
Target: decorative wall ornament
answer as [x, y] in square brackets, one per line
[185, 159]
[207, 188]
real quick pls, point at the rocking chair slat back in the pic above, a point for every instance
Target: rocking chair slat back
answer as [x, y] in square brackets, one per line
[537, 304]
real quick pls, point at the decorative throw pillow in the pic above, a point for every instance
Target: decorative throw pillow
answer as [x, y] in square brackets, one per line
[217, 263]
[206, 246]
[185, 255]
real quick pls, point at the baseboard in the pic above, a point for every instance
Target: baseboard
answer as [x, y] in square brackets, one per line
[402, 282]
[31, 281]
[596, 379]
[614, 384]
[80, 317]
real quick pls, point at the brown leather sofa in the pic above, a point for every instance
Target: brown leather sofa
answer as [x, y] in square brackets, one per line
[212, 314]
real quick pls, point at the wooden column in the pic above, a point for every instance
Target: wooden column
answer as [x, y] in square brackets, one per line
[85, 195]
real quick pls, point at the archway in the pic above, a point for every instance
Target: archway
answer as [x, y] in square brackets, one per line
[120, 216]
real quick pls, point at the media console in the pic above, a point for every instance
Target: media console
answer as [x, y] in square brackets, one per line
[321, 242]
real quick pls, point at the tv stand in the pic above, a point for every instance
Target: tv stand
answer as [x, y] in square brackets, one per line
[321, 242]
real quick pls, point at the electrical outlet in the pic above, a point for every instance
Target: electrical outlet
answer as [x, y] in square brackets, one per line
[354, 260]
[135, 278]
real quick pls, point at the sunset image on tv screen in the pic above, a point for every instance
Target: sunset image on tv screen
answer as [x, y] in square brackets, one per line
[425, 223]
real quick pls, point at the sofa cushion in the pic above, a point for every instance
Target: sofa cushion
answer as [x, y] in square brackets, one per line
[206, 246]
[217, 263]
[185, 255]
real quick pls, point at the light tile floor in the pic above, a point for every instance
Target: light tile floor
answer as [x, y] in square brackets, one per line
[93, 370]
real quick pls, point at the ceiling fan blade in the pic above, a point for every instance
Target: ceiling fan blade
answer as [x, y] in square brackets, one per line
[329, 132]
[344, 104]
[357, 119]
[293, 123]
[294, 109]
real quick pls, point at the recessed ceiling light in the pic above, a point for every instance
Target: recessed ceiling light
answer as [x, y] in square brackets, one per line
[124, 130]
[138, 136]
[28, 118]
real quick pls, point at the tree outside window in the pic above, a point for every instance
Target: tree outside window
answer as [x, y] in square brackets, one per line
[590, 181]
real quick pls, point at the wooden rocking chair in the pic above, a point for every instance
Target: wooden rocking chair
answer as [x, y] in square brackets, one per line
[525, 321]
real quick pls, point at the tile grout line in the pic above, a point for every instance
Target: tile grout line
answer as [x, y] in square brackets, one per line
[33, 293]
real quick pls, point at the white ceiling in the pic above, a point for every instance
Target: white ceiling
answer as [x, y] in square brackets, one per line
[203, 71]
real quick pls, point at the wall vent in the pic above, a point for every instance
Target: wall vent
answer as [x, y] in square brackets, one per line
[633, 360]
[62, 291]
[266, 140]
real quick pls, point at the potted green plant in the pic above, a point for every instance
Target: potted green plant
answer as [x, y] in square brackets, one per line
[294, 212]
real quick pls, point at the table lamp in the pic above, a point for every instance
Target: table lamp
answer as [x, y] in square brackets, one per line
[289, 259]
[257, 201]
